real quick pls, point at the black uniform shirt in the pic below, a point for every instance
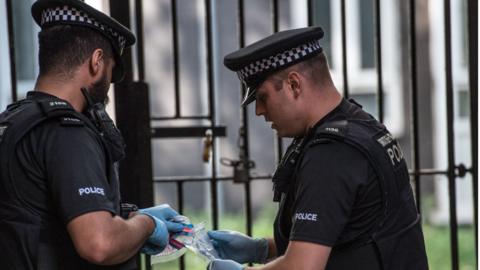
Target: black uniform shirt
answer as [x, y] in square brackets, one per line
[336, 199]
[65, 170]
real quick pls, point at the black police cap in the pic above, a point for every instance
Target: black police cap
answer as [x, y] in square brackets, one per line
[261, 59]
[75, 12]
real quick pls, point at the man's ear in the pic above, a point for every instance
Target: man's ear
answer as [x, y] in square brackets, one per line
[294, 83]
[97, 60]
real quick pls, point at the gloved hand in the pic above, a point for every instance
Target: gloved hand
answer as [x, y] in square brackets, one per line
[164, 213]
[161, 215]
[239, 247]
[158, 240]
[224, 265]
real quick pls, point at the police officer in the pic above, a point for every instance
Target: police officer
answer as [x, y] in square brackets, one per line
[59, 195]
[343, 185]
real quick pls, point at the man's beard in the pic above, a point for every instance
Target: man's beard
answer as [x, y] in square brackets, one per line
[99, 90]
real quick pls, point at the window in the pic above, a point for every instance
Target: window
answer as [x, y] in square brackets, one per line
[322, 17]
[368, 102]
[25, 41]
[463, 103]
[366, 36]
[464, 32]
[25, 34]
[361, 54]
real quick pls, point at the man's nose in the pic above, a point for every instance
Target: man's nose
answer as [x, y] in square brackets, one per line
[259, 110]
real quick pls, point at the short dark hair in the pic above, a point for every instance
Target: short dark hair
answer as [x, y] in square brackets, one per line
[63, 48]
[315, 69]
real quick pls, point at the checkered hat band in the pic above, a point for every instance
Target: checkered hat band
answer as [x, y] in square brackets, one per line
[279, 60]
[68, 14]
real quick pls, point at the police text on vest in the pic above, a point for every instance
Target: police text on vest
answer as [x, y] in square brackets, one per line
[395, 153]
[91, 190]
[306, 216]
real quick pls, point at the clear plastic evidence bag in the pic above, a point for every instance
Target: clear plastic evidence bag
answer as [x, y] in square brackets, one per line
[193, 238]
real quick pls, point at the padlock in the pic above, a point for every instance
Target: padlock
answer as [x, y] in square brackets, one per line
[207, 146]
[240, 173]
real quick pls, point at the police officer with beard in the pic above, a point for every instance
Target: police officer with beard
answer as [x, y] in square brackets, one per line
[345, 201]
[59, 193]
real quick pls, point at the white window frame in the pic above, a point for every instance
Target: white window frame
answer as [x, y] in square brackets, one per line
[5, 84]
[364, 80]
[461, 124]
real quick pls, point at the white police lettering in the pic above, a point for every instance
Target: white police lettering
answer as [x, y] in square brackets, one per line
[91, 190]
[393, 149]
[331, 129]
[306, 216]
[57, 103]
[395, 153]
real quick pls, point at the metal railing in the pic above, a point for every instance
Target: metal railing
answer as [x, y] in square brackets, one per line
[121, 7]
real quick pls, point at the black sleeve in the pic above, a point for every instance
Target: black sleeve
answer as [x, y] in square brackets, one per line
[76, 171]
[328, 181]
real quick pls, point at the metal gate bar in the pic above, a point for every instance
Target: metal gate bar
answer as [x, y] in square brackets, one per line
[177, 112]
[176, 72]
[244, 147]
[311, 8]
[378, 39]
[414, 104]
[450, 137]
[275, 15]
[275, 22]
[140, 42]
[472, 11]
[193, 179]
[344, 49]
[211, 99]
[11, 48]
[166, 179]
[141, 77]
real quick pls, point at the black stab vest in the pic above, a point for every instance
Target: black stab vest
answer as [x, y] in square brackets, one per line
[397, 243]
[31, 241]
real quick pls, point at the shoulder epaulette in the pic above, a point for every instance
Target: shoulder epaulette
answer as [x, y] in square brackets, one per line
[336, 128]
[50, 106]
[56, 108]
[330, 131]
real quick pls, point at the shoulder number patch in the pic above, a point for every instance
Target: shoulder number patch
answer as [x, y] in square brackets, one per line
[70, 121]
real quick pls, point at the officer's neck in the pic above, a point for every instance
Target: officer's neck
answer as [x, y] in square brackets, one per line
[322, 104]
[66, 89]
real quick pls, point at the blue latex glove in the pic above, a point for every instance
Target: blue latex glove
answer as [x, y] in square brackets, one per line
[162, 216]
[166, 214]
[158, 240]
[239, 247]
[224, 265]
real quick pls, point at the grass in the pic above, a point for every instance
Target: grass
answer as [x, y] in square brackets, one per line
[437, 241]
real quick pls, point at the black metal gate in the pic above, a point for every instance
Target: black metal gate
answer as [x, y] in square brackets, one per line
[141, 128]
